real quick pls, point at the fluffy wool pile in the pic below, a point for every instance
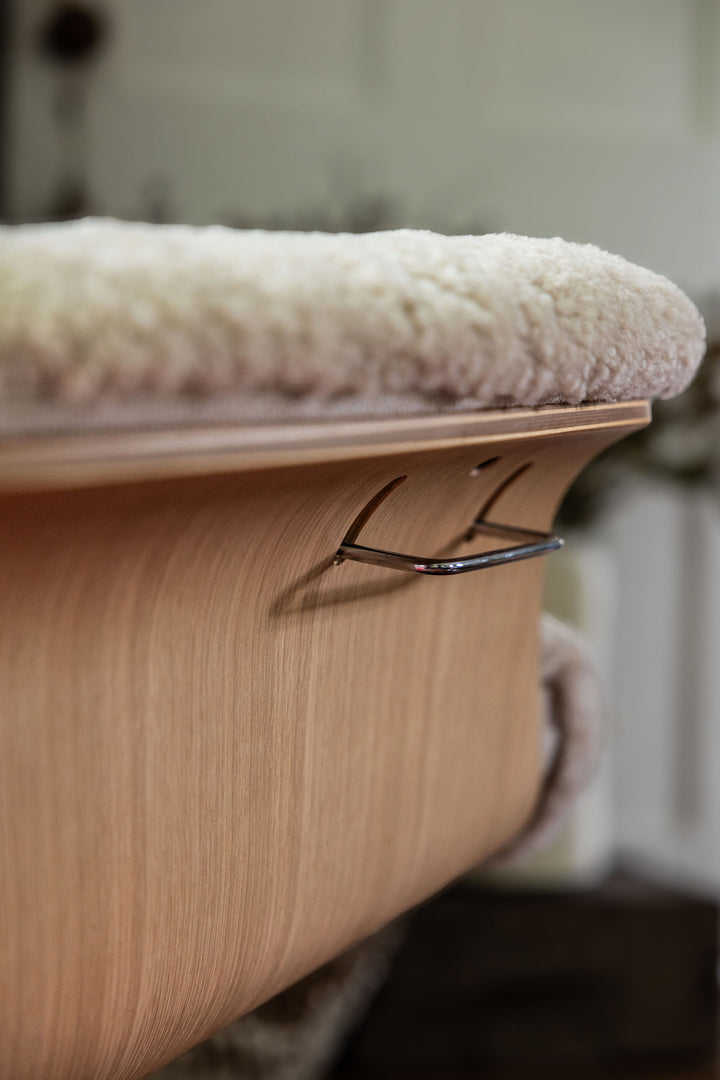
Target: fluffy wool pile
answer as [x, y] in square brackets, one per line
[102, 312]
[574, 728]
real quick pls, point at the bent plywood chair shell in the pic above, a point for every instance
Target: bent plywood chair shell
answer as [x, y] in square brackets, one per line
[225, 758]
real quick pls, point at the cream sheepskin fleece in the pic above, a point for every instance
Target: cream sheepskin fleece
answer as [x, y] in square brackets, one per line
[574, 721]
[102, 312]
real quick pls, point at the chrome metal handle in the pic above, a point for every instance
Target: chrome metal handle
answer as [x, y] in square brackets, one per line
[538, 543]
[541, 544]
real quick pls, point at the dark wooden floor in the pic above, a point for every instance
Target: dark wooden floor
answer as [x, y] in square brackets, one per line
[615, 983]
[711, 1073]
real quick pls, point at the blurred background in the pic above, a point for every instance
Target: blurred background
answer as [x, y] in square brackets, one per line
[595, 120]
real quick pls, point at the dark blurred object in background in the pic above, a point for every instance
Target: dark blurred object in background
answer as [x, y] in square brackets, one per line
[72, 33]
[538, 983]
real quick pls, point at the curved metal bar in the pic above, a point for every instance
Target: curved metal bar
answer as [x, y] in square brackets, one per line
[394, 560]
[537, 543]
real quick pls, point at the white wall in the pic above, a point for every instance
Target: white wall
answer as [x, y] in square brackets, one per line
[597, 121]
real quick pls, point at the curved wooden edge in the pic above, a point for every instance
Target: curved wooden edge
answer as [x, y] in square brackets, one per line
[44, 462]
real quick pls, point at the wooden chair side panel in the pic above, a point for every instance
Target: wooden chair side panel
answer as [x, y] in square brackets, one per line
[225, 759]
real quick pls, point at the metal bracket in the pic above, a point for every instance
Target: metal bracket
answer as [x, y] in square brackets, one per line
[537, 543]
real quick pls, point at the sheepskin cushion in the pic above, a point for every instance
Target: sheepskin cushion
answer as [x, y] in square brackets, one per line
[117, 320]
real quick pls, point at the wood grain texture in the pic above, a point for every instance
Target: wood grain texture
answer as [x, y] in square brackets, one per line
[111, 457]
[225, 759]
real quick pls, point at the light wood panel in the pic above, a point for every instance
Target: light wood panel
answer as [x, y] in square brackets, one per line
[225, 759]
[37, 462]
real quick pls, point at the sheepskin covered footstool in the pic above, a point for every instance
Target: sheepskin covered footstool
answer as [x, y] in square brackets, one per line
[113, 322]
[273, 510]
